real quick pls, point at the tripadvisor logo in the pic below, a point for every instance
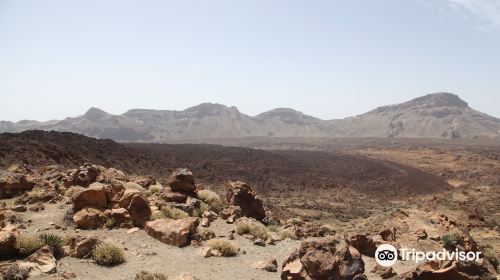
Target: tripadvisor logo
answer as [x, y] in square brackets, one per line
[387, 255]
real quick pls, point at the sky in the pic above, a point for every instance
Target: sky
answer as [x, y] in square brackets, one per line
[330, 59]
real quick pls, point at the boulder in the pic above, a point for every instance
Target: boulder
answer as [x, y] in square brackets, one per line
[139, 210]
[107, 175]
[447, 270]
[94, 196]
[363, 243]
[12, 183]
[120, 216]
[322, 260]
[114, 193]
[269, 264]
[241, 194]
[137, 205]
[81, 247]
[182, 180]
[388, 234]
[172, 232]
[89, 218]
[40, 262]
[83, 176]
[144, 181]
[8, 236]
[384, 272]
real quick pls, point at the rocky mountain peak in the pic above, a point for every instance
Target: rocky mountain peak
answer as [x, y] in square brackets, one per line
[95, 114]
[440, 99]
[209, 109]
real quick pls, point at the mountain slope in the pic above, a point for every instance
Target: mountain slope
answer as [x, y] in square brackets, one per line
[438, 115]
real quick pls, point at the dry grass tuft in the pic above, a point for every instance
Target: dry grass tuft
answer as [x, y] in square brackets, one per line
[226, 248]
[108, 255]
[144, 275]
[212, 199]
[253, 228]
[28, 244]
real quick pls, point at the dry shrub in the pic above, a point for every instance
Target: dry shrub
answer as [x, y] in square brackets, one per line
[28, 244]
[206, 234]
[286, 233]
[253, 228]
[212, 199]
[108, 255]
[226, 248]
[173, 213]
[144, 275]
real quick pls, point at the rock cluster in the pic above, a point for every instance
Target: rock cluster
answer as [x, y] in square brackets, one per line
[322, 260]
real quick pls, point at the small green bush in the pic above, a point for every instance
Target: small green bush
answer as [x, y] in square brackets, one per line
[253, 228]
[54, 241]
[226, 248]
[108, 255]
[451, 239]
[110, 223]
[144, 275]
[28, 244]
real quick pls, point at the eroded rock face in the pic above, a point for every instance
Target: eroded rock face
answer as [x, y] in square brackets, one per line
[322, 260]
[364, 244]
[12, 183]
[182, 180]
[89, 218]
[448, 271]
[137, 205]
[241, 194]
[8, 235]
[172, 232]
[40, 262]
[94, 196]
[83, 176]
[81, 247]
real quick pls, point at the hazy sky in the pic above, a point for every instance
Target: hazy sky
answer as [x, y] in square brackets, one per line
[330, 59]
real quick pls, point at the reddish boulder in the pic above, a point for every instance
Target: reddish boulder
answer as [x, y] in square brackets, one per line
[8, 236]
[81, 247]
[120, 216]
[182, 180]
[137, 205]
[363, 243]
[83, 176]
[241, 194]
[172, 232]
[144, 181]
[40, 262]
[448, 271]
[94, 196]
[89, 218]
[322, 260]
[12, 183]
[114, 193]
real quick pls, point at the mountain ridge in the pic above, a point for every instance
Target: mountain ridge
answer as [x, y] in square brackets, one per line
[436, 115]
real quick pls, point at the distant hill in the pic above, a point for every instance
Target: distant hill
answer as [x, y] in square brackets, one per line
[438, 115]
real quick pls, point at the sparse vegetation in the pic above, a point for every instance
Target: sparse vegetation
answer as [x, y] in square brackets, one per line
[110, 223]
[144, 275]
[108, 255]
[489, 254]
[206, 234]
[226, 248]
[286, 233]
[451, 239]
[54, 241]
[28, 244]
[14, 272]
[253, 228]
[212, 199]
[173, 213]
[155, 188]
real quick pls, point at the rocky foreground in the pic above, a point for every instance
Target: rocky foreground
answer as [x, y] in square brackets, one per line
[100, 223]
